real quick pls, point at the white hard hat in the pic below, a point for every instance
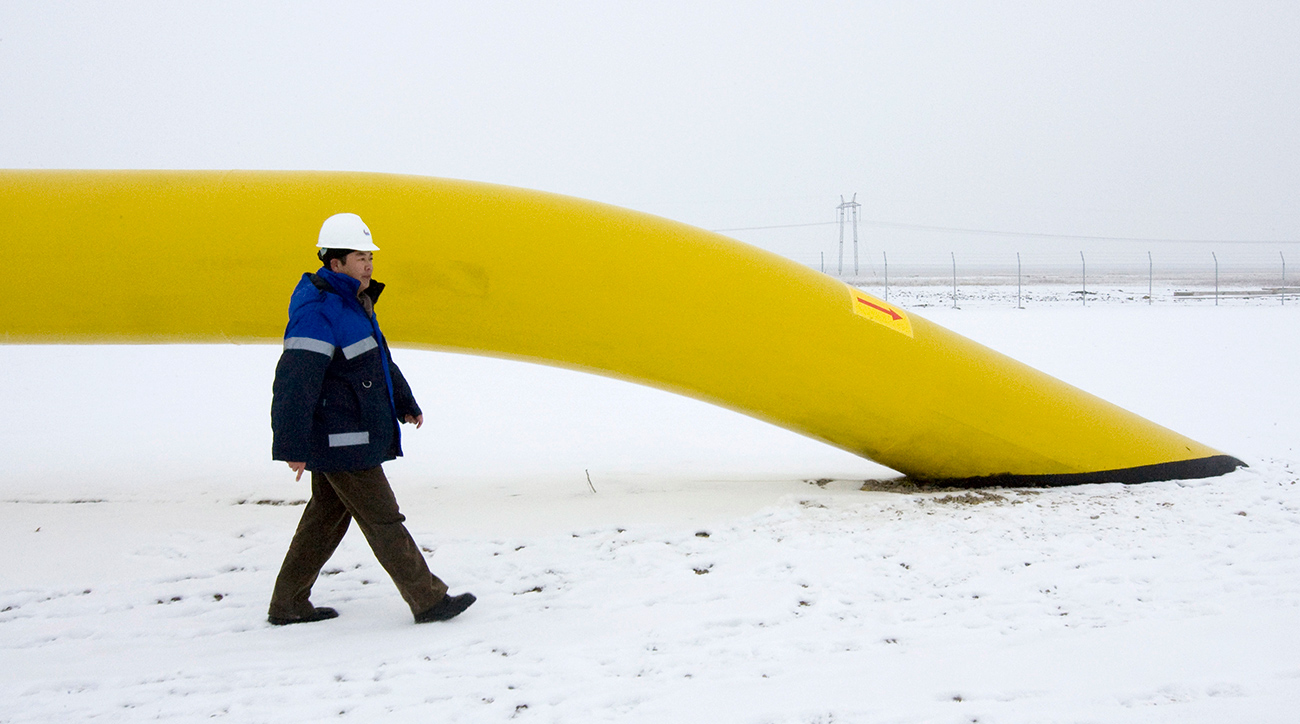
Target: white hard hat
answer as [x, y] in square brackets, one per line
[345, 231]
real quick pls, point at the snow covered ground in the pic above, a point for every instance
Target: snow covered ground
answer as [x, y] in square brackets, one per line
[705, 580]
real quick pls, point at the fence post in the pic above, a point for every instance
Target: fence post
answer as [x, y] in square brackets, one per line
[954, 279]
[1084, 294]
[1216, 278]
[1018, 305]
[886, 255]
[1150, 277]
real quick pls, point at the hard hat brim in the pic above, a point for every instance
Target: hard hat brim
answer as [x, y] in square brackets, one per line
[353, 246]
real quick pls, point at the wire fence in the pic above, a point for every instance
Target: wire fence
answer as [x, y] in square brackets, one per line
[1020, 279]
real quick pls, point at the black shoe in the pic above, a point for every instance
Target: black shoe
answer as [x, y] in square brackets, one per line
[320, 613]
[449, 607]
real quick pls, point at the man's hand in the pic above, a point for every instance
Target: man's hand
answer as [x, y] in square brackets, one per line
[416, 420]
[298, 468]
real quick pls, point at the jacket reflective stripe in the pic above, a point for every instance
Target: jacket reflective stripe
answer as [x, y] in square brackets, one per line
[309, 344]
[361, 347]
[344, 439]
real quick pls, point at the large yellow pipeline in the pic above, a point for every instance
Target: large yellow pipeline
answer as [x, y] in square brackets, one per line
[210, 256]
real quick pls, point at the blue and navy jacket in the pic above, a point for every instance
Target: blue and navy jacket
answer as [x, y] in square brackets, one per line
[337, 396]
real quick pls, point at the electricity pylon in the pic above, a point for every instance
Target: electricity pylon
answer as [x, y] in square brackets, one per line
[845, 208]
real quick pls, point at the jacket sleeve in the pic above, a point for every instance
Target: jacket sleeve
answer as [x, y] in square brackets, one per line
[299, 377]
[403, 398]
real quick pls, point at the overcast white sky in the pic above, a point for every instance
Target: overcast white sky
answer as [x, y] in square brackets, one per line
[1136, 119]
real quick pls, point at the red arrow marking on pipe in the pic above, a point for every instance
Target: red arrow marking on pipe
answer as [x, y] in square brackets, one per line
[895, 315]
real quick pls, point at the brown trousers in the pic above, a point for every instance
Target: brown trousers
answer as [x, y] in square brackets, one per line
[337, 498]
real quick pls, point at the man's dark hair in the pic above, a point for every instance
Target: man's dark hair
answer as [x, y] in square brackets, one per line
[326, 254]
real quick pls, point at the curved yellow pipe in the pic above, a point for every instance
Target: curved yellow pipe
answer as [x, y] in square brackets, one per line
[170, 256]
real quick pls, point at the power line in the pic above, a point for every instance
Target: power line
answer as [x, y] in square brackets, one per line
[781, 226]
[1018, 234]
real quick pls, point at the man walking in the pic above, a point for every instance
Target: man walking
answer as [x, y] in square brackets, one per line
[335, 407]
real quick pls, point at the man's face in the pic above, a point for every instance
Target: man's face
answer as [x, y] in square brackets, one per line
[358, 264]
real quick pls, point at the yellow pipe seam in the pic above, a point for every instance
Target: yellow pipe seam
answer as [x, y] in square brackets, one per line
[210, 256]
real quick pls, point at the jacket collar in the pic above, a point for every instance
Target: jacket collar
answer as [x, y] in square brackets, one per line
[344, 285]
